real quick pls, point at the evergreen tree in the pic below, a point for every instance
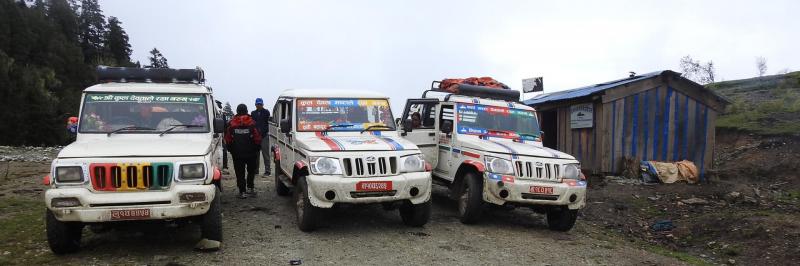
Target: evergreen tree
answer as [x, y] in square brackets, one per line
[92, 29]
[157, 60]
[227, 110]
[116, 44]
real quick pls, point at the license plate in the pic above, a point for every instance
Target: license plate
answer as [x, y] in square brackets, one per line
[374, 186]
[541, 190]
[132, 214]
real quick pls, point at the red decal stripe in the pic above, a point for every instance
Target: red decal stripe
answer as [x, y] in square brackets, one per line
[471, 154]
[331, 144]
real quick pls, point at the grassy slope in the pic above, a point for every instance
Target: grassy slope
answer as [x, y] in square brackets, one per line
[767, 105]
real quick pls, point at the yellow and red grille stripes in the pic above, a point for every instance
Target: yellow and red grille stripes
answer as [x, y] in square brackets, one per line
[130, 176]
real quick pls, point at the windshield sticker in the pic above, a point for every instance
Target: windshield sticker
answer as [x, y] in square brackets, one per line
[344, 114]
[145, 98]
[496, 121]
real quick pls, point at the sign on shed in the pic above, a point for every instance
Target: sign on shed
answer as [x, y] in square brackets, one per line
[581, 116]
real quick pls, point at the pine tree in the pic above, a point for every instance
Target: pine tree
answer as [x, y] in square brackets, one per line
[157, 60]
[116, 43]
[92, 29]
[227, 110]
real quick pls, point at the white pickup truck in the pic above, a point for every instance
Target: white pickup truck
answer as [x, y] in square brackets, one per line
[147, 148]
[342, 147]
[486, 147]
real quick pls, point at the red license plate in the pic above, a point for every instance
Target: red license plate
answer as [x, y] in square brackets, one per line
[374, 186]
[132, 214]
[541, 190]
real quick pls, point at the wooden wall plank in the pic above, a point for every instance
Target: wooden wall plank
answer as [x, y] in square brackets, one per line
[670, 123]
[618, 139]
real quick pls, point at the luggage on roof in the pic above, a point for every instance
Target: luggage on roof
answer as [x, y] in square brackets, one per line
[484, 87]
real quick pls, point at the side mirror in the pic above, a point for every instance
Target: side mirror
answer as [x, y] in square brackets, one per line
[397, 121]
[407, 125]
[447, 126]
[219, 125]
[286, 126]
[72, 125]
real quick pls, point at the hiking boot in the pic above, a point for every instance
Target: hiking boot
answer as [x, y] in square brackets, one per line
[251, 192]
[242, 195]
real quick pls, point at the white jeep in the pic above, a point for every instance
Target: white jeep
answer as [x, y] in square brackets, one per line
[486, 146]
[147, 148]
[342, 147]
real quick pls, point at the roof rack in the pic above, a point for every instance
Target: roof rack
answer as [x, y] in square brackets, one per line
[477, 91]
[154, 75]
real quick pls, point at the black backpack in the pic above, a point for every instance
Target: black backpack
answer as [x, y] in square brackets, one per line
[243, 144]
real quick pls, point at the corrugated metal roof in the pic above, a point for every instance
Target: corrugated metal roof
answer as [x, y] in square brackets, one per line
[588, 90]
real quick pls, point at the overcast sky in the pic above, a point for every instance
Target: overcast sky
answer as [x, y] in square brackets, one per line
[255, 49]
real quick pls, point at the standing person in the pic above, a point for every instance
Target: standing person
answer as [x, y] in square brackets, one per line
[243, 141]
[261, 116]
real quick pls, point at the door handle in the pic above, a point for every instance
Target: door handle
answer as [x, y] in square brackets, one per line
[432, 134]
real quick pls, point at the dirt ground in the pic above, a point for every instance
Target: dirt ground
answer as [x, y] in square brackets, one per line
[262, 231]
[747, 213]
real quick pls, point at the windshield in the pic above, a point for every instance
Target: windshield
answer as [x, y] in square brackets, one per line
[497, 121]
[147, 112]
[344, 114]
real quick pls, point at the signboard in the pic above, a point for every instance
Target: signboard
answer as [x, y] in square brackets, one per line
[532, 85]
[581, 116]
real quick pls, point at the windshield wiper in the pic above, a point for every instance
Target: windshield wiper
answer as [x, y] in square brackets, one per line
[171, 127]
[129, 128]
[337, 126]
[378, 126]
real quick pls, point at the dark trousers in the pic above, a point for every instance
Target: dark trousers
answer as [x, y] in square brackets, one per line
[265, 153]
[224, 157]
[240, 164]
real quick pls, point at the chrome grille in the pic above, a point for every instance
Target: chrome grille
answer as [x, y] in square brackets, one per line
[369, 166]
[527, 169]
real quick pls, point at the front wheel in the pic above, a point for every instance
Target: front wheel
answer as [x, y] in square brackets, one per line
[470, 202]
[306, 213]
[211, 226]
[415, 214]
[561, 219]
[63, 237]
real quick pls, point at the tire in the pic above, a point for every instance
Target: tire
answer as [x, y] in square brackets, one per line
[561, 219]
[63, 237]
[415, 215]
[211, 225]
[306, 213]
[280, 188]
[470, 201]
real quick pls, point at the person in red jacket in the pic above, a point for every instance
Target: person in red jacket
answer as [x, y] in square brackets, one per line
[244, 142]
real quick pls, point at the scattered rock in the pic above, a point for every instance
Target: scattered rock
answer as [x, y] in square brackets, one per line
[732, 261]
[207, 245]
[733, 196]
[296, 262]
[695, 201]
[653, 198]
[751, 200]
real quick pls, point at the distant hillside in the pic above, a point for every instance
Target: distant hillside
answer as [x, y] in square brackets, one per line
[765, 105]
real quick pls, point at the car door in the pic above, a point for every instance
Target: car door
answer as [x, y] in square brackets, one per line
[286, 140]
[424, 133]
[445, 127]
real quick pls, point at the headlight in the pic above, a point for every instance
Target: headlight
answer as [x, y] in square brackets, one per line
[193, 171]
[325, 166]
[412, 163]
[69, 174]
[499, 166]
[571, 171]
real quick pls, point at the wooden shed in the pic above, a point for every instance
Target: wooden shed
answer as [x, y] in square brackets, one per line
[658, 116]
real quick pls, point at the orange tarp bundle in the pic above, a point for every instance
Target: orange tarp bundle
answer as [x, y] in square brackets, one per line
[677, 171]
[451, 85]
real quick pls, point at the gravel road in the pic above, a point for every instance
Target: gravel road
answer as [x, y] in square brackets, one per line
[262, 231]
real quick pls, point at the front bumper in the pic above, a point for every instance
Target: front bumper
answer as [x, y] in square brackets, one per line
[345, 189]
[519, 192]
[97, 206]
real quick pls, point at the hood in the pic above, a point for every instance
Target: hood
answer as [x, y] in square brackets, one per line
[122, 147]
[501, 145]
[319, 142]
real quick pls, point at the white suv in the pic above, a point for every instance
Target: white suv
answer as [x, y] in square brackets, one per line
[342, 147]
[486, 146]
[147, 148]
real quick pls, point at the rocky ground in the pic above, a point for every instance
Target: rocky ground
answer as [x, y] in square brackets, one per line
[262, 230]
[747, 214]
